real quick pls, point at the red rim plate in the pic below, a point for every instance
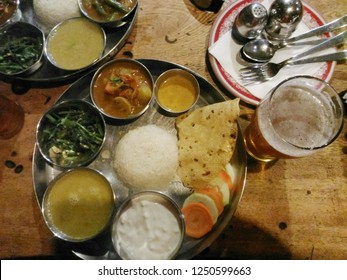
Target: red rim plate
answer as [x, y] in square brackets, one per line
[223, 24]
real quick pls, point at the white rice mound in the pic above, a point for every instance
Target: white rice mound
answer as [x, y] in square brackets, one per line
[147, 158]
[51, 12]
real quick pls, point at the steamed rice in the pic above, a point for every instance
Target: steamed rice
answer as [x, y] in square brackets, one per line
[51, 12]
[147, 158]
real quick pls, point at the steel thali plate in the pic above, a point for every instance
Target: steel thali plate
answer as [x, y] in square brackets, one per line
[43, 173]
[49, 75]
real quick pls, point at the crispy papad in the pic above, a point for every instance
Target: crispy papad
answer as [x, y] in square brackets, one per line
[206, 142]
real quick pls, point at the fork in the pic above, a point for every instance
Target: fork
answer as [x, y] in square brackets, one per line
[262, 73]
[259, 73]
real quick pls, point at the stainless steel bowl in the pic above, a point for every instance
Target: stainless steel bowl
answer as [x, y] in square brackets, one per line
[114, 22]
[45, 144]
[64, 196]
[172, 107]
[66, 42]
[27, 35]
[98, 84]
[13, 17]
[154, 198]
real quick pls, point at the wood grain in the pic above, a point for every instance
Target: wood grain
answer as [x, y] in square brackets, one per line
[291, 209]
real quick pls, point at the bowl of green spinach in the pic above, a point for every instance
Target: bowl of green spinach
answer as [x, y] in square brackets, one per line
[71, 134]
[21, 49]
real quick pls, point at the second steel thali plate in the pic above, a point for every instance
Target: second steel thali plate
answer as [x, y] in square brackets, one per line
[43, 173]
[48, 75]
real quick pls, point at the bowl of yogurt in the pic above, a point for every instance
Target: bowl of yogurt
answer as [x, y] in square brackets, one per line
[148, 225]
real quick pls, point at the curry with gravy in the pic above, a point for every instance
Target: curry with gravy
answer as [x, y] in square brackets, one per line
[122, 89]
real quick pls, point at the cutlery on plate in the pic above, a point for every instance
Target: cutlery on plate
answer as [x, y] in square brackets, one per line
[265, 72]
[262, 50]
[259, 73]
[328, 27]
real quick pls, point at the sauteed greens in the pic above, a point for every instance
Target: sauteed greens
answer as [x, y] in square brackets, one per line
[71, 134]
[18, 54]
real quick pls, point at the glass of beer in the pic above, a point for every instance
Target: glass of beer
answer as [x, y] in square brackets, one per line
[11, 118]
[300, 116]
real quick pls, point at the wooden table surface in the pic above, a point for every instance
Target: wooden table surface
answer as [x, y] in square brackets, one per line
[291, 209]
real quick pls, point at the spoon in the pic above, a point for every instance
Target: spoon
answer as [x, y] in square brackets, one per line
[262, 50]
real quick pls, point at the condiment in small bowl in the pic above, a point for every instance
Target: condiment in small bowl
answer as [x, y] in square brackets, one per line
[78, 204]
[9, 12]
[110, 13]
[148, 225]
[176, 91]
[22, 48]
[122, 89]
[75, 44]
[71, 134]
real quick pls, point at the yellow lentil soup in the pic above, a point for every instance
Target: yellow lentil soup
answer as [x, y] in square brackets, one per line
[78, 205]
[176, 90]
[75, 44]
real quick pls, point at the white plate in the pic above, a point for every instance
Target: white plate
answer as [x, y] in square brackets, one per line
[223, 53]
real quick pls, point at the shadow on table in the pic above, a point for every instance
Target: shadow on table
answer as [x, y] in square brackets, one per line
[63, 249]
[243, 241]
[95, 247]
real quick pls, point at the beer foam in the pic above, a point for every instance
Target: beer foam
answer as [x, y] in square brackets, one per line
[308, 126]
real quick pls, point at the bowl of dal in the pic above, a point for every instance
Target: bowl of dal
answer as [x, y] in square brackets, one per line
[110, 13]
[78, 204]
[75, 44]
[176, 91]
[122, 89]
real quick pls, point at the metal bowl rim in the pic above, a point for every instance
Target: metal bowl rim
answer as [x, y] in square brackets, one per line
[115, 61]
[35, 66]
[84, 103]
[114, 23]
[180, 72]
[50, 186]
[178, 214]
[8, 21]
[53, 31]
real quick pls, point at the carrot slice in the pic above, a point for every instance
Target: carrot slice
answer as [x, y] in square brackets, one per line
[216, 195]
[226, 178]
[198, 219]
[206, 201]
